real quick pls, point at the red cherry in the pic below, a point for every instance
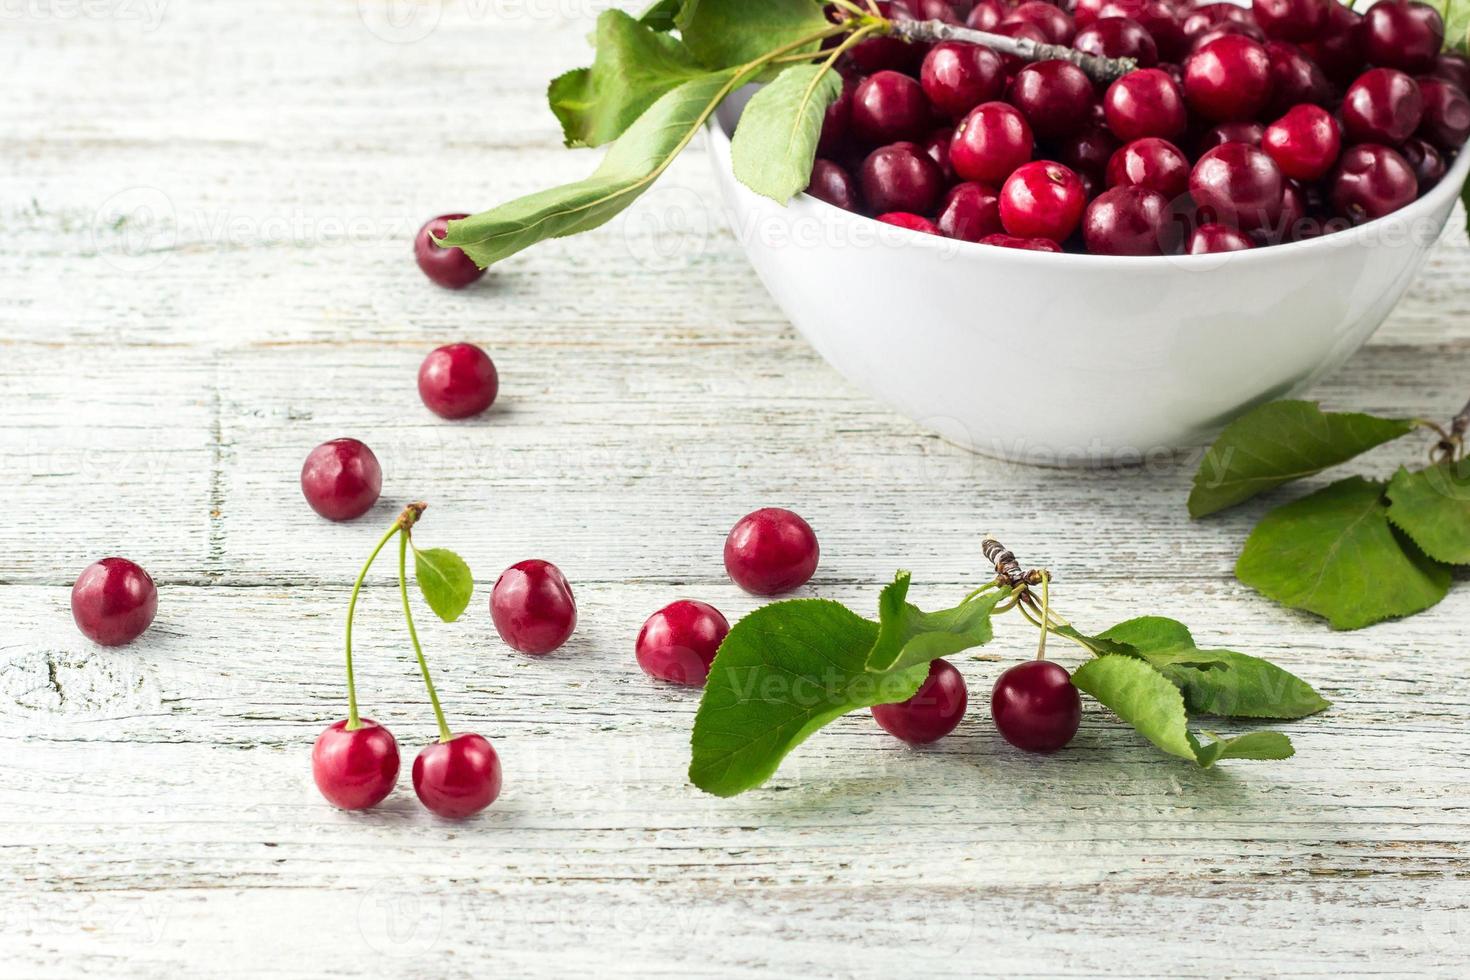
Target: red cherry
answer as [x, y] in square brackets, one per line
[1339, 49]
[1042, 199]
[887, 107]
[1118, 37]
[831, 183]
[1453, 68]
[1089, 151]
[936, 144]
[901, 177]
[1370, 182]
[1230, 132]
[1035, 707]
[113, 601]
[770, 551]
[679, 642]
[1146, 102]
[958, 77]
[1158, 17]
[457, 381]
[971, 211]
[986, 15]
[836, 122]
[1208, 239]
[1228, 78]
[1382, 106]
[1238, 184]
[341, 479]
[1153, 163]
[457, 778]
[933, 711]
[532, 607]
[990, 143]
[1295, 78]
[1024, 244]
[1291, 20]
[1401, 35]
[1129, 220]
[1304, 142]
[448, 267]
[1054, 23]
[886, 52]
[1428, 163]
[1056, 97]
[355, 769]
[911, 222]
[1446, 119]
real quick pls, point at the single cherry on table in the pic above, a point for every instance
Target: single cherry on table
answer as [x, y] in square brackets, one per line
[770, 551]
[447, 267]
[679, 642]
[113, 601]
[1035, 707]
[341, 479]
[355, 768]
[532, 607]
[458, 381]
[934, 711]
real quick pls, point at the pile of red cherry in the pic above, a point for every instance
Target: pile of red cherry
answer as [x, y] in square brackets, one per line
[1241, 127]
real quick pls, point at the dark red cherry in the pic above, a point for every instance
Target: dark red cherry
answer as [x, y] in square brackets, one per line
[1428, 163]
[1446, 119]
[990, 143]
[679, 642]
[355, 769]
[1035, 707]
[831, 183]
[958, 77]
[1024, 244]
[888, 107]
[447, 267]
[986, 15]
[936, 144]
[533, 607]
[1295, 78]
[911, 222]
[1088, 151]
[113, 601]
[1208, 239]
[1339, 49]
[1401, 35]
[1238, 184]
[1158, 17]
[1129, 220]
[1042, 199]
[1054, 23]
[1383, 106]
[1118, 37]
[458, 778]
[1020, 30]
[458, 381]
[1371, 181]
[1304, 142]
[970, 211]
[886, 51]
[770, 551]
[901, 177]
[1153, 163]
[1056, 97]
[1291, 20]
[1228, 78]
[933, 711]
[940, 10]
[1229, 132]
[836, 122]
[1201, 18]
[1146, 102]
[341, 479]
[1453, 68]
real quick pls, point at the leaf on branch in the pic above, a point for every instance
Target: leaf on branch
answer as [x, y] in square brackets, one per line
[633, 162]
[783, 672]
[1280, 442]
[1335, 554]
[776, 142]
[908, 636]
[634, 66]
[445, 581]
[1432, 506]
[661, 15]
[1218, 682]
[1141, 695]
[727, 33]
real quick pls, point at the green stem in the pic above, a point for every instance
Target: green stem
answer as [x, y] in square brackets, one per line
[1045, 615]
[354, 721]
[444, 733]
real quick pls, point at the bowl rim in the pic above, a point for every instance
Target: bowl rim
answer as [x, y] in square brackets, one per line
[803, 203]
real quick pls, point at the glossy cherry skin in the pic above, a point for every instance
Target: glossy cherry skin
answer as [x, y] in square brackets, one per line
[1118, 37]
[1295, 78]
[889, 106]
[1035, 707]
[1228, 78]
[958, 77]
[457, 381]
[341, 479]
[457, 778]
[1446, 119]
[836, 122]
[1382, 106]
[1054, 23]
[113, 601]
[990, 143]
[1400, 35]
[1230, 132]
[448, 267]
[986, 15]
[1056, 97]
[1153, 163]
[1339, 49]
[1209, 239]
[1158, 17]
[355, 769]
[908, 221]
[1428, 163]
[770, 551]
[1042, 199]
[1453, 68]
[1370, 182]
[901, 177]
[932, 713]
[1129, 220]
[1088, 151]
[1024, 244]
[679, 642]
[936, 144]
[1238, 184]
[886, 52]
[1146, 102]
[833, 184]
[1291, 20]
[533, 607]
[970, 211]
[1304, 142]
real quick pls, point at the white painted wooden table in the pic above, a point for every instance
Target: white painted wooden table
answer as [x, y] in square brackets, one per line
[164, 376]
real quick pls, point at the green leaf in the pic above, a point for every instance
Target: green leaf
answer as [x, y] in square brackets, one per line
[1143, 697]
[726, 33]
[661, 15]
[634, 66]
[445, 581]
[1334, 554]
[1280, 442]
[783, 672]
[1218, 682]
[1432, 506]
[632, 164]
[1099, 645]
[909, 636]
[776, 141]
[1456, 14]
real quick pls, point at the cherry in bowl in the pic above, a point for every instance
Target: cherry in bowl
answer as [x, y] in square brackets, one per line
[532, 607]
[447, 267]
[770, 551]
[341, 479]
[679, 642]
[113, 601]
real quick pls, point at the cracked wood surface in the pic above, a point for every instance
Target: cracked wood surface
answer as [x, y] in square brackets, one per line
[165, 375]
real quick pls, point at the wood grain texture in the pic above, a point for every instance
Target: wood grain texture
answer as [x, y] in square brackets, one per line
[165, 374]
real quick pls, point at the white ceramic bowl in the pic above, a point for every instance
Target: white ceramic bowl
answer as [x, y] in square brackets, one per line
[1073, 360]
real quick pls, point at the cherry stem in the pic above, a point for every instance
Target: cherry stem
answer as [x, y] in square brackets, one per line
[1045, 615]
[444, 733]
[354, 721]
[1097, 68]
